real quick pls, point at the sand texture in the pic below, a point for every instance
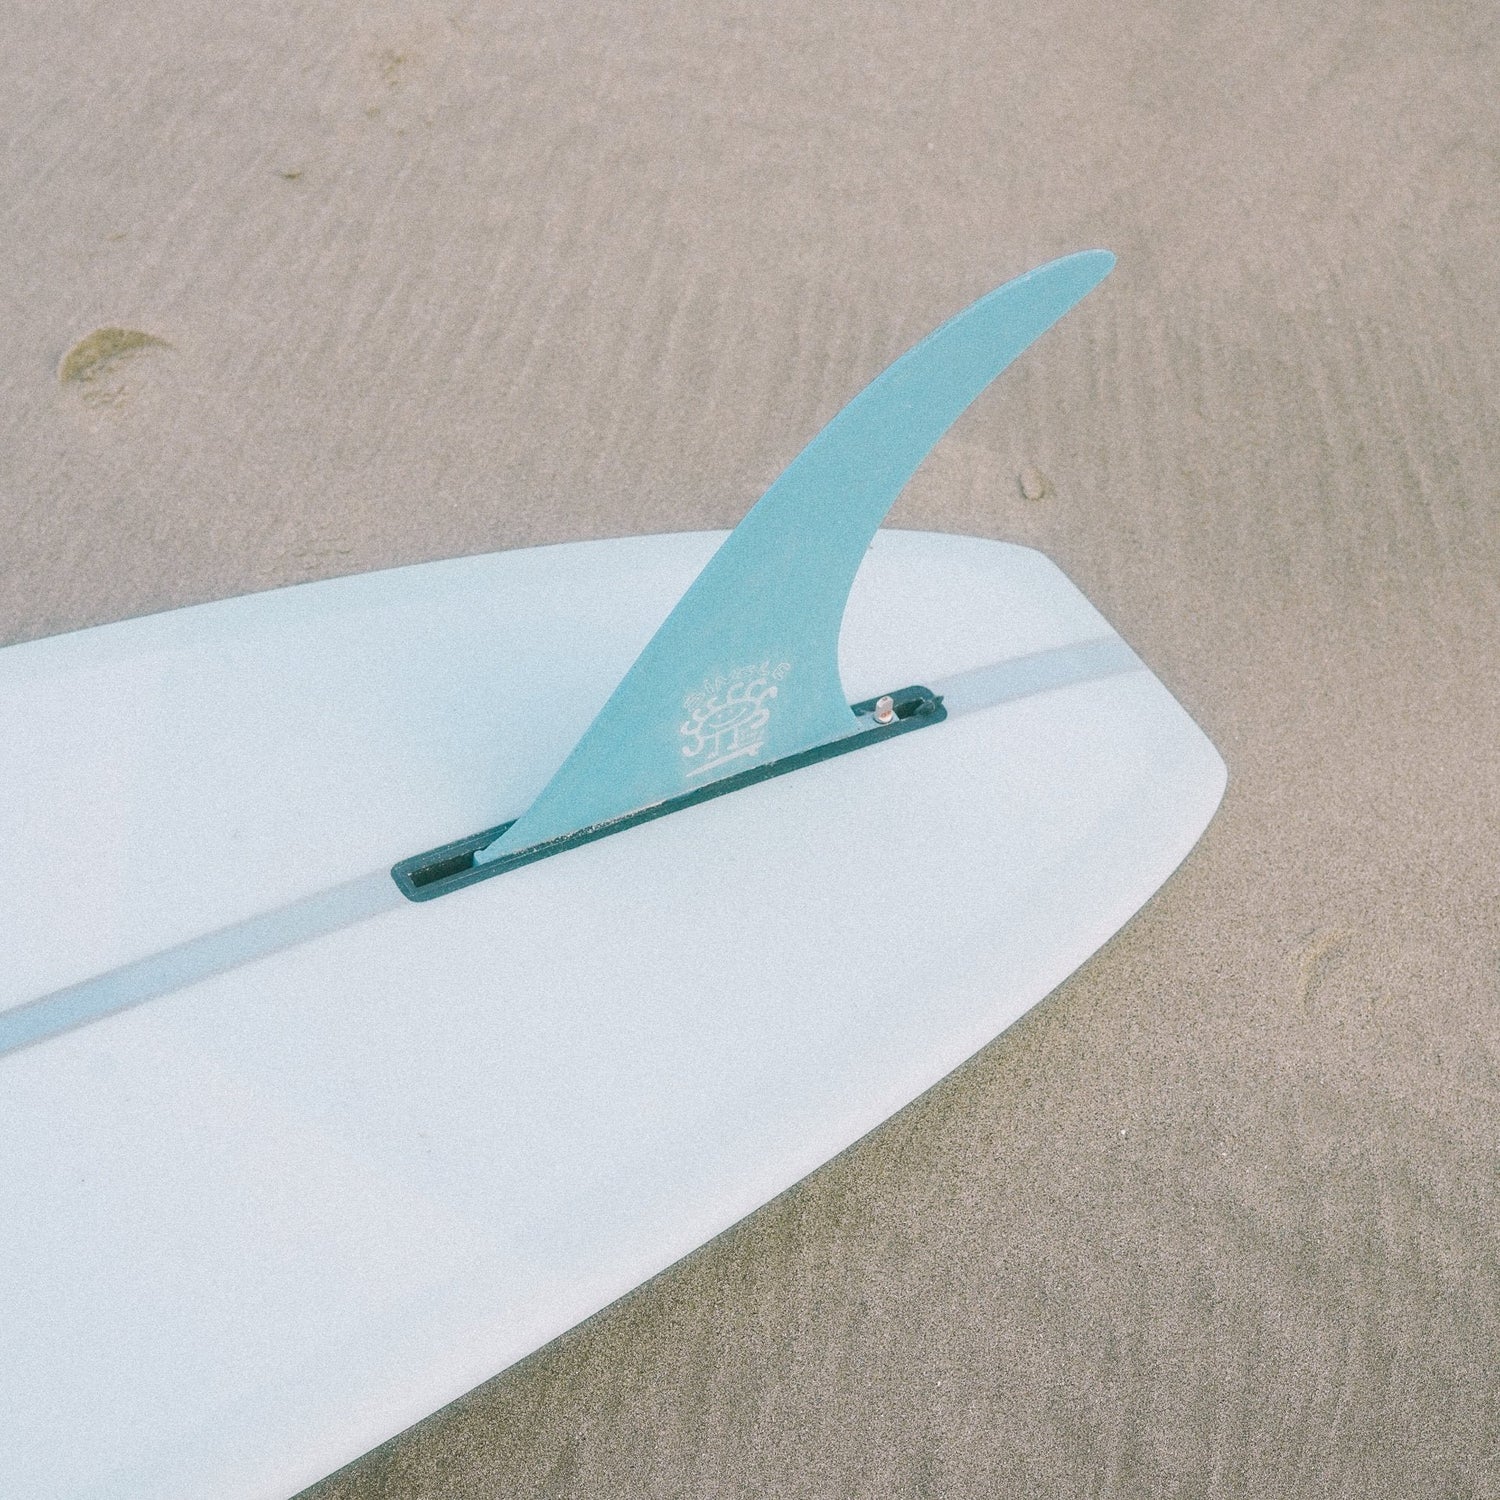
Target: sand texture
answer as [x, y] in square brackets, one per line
[295, 290]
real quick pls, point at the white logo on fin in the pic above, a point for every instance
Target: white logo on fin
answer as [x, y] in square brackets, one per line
[729, 716]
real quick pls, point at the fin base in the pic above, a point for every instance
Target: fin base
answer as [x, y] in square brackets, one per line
[451, 867]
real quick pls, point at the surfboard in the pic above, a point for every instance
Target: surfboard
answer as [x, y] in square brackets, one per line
[295, 1148]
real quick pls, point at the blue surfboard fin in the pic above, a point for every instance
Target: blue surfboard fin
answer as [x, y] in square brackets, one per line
[742, 677]
[745, 668]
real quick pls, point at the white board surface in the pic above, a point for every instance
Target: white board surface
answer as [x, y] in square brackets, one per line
[255, 1226]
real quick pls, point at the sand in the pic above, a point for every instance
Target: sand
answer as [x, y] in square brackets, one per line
[300, 290]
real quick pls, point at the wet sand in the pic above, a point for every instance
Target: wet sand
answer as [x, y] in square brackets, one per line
[300, 291]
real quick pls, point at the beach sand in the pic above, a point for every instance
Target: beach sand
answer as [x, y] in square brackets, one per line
[301, 290]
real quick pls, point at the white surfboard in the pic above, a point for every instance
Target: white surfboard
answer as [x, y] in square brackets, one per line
[294, 1147]
[256, 1225]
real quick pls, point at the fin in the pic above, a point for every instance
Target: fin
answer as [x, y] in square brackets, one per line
[744, 671]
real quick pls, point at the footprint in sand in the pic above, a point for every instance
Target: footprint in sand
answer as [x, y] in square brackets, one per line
[95, 364]
[1319, 956]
